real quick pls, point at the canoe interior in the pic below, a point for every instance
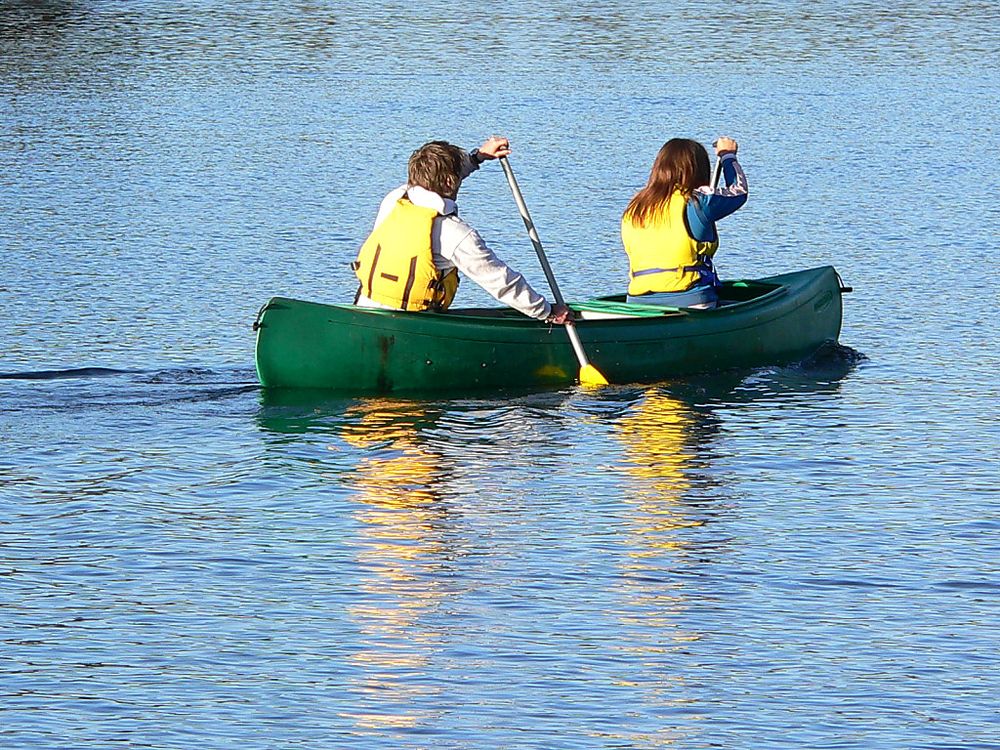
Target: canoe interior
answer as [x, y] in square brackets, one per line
[732, 293]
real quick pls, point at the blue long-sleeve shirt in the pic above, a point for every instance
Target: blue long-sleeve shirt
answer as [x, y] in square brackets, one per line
[717, 203]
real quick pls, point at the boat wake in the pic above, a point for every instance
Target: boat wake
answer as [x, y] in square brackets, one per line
[85, 388]
[75, 372]
[832, 355]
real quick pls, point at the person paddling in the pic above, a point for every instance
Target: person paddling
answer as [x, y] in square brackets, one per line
[668, 228]
[412, 257]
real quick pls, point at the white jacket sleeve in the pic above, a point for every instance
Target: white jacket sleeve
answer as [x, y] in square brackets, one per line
[474, 259]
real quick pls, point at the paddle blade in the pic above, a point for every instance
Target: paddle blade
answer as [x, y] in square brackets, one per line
[590, 375]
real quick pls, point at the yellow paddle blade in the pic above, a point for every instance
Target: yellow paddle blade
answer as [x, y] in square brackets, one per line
[590, 375]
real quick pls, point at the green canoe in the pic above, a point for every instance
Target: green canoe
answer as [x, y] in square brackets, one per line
[773, 320]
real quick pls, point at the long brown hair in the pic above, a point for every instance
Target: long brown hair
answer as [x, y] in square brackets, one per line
[436, 166]
[681, 165]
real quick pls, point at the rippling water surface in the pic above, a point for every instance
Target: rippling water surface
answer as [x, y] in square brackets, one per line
[791, 557]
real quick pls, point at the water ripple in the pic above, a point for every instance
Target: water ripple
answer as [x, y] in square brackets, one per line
[798, 556]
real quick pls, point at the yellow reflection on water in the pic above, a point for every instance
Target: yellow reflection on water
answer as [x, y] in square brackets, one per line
[401, 549]
[660, 453]
[659, 441]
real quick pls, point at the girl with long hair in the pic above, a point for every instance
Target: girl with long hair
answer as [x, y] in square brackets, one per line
[668, 228]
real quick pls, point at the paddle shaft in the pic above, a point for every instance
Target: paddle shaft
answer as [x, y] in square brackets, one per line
[530, 226]
[574, 338]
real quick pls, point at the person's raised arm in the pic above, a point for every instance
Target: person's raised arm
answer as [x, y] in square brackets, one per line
[719, 202]
[493, 148]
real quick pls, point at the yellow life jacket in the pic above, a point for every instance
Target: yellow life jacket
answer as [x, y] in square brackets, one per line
[662, 256]
[396, 264]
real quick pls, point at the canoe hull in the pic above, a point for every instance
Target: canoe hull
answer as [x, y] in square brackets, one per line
[349, 349]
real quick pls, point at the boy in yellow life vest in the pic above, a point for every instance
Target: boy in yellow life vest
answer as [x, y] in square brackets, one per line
[412, 257]
[668, 228]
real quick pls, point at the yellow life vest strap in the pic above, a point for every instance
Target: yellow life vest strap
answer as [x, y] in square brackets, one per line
[371, 271]
[410, 273]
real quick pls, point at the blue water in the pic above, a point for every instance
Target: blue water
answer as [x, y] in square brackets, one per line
[793, 557]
